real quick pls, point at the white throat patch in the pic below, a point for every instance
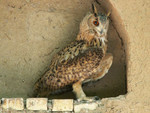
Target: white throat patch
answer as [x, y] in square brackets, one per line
[103, 40]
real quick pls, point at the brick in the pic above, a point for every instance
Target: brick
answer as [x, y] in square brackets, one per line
[13, 103]
[85, 106]
[62, 105]
[36, 103]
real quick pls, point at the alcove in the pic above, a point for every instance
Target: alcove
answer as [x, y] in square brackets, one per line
[33, 31]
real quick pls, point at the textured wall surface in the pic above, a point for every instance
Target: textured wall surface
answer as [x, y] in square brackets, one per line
[32, 31]
[131, 19]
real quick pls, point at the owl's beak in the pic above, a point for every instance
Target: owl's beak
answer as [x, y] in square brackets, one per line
[101, 32]
[94, 10]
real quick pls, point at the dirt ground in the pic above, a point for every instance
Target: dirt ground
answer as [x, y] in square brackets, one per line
[31, 32]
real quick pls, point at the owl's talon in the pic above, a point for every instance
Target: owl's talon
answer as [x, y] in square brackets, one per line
[88, 99]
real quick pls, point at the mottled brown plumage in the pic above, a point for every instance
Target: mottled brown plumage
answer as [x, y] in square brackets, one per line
[81, 61]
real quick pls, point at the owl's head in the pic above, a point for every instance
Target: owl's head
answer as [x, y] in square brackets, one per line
[94, 25]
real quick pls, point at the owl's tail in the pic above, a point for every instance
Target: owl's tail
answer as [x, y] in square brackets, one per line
[39, 89]
[36, 87]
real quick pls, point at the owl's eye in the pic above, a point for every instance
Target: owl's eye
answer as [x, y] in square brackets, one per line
[96, 23]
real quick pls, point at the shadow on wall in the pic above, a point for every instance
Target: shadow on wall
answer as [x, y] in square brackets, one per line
[31, 35]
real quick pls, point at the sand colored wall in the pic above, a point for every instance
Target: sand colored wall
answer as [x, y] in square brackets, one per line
[134, 19]
[31, 32]
[134, 15]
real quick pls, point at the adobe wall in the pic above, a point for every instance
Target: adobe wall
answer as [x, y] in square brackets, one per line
[31, 32]
[135, 17]
[134, 30]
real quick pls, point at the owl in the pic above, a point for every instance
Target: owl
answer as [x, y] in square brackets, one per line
[83, 60]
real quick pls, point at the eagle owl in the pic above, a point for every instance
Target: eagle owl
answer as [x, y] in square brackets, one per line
[81, 61]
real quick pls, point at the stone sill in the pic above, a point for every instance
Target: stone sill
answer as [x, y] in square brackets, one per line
[43, 105]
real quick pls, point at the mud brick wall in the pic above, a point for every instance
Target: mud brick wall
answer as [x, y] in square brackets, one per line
[130, 19]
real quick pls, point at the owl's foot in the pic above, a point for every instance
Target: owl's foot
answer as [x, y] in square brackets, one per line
[88, 99]
[80, 95]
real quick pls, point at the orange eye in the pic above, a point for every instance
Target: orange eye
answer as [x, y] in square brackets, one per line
[96, 23]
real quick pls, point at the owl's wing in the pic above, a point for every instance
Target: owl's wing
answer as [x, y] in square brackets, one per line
[63, 75]
[69, 52]
[74, 62]
[63, 56]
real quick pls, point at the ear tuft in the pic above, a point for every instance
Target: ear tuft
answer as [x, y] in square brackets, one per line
[94, 10]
